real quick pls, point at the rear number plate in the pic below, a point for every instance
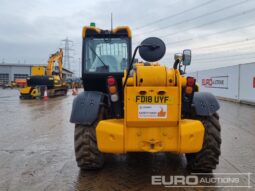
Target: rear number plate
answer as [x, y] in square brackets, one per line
[153, 99]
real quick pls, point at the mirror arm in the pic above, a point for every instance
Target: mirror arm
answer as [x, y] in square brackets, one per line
[182, 71]
[176, 62]
[151, 46]
[130, 65]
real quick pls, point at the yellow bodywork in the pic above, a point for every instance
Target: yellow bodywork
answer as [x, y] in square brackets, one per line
[115, 30]
[35, 92]
[32, 91]
[152, 116]
[114, 137]
[25, 90]
[38, 71]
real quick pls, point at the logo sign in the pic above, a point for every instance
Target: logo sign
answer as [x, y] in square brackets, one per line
[216, 82]
[215, 180]
[155, 111]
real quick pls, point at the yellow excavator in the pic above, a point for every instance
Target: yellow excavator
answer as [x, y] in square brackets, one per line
[52, 82]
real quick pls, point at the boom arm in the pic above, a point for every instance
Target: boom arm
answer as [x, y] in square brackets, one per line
[57, 57]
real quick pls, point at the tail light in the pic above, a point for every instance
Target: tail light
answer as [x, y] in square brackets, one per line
[188, 90]
[112, 88]
[111, 81]
[191, 82]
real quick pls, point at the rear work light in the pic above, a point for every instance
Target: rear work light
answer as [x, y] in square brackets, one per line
[114, 97]
[112, 88]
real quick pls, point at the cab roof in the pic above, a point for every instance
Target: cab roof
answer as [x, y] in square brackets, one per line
[89, 31]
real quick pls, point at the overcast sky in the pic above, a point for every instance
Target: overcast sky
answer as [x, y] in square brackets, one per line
[220, 33]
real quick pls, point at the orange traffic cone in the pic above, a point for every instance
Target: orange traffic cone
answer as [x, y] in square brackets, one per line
[45, 95]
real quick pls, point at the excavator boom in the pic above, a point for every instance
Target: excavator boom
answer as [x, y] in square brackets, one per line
[57, 57]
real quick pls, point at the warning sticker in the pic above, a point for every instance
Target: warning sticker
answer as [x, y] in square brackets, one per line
[154, 111]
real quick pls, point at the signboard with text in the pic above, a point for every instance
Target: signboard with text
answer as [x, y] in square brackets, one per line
[216, 82]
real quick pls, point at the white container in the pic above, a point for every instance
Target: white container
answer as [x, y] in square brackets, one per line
[221, 82]
[247, 82]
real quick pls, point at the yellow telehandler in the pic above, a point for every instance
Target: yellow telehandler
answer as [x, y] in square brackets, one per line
[140, 107]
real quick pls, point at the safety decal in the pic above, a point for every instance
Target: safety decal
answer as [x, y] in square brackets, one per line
[152, 111]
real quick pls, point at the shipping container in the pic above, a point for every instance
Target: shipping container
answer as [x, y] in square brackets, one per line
[232, 82]
[247, 82]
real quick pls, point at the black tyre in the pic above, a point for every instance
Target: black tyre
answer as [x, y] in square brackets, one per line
[86, 151]
[207, 159]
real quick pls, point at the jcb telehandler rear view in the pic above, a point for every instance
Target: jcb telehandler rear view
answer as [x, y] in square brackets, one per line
[140, 107]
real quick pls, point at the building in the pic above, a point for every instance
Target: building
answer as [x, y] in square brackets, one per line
[10, 72]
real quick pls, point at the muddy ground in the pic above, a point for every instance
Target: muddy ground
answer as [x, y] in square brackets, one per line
[37, 152]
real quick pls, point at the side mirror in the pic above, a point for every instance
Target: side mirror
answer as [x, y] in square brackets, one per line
[186, 60]
[152, 49]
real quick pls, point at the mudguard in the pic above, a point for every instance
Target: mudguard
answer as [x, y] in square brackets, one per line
[86, 107]
[205, 103]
